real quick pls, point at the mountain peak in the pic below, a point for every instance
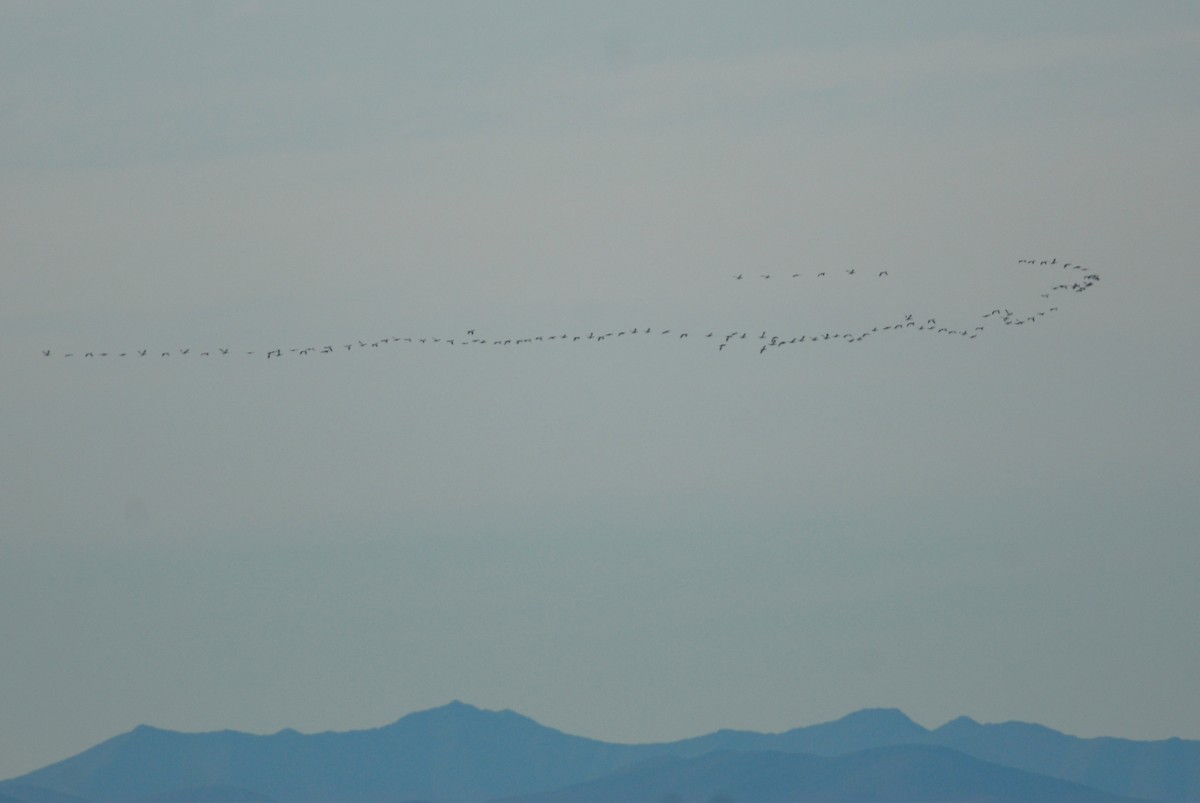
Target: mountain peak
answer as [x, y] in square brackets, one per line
[886, 723]
[957, 725]
[458, 715]
[455, 710]
[881, 716]
[456, 706]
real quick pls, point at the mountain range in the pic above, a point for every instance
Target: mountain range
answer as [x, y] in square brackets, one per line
[458, 753]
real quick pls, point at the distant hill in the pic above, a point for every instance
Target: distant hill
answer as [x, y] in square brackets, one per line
[872, 727]
[897, 774]
[23, 793]
[453, 753]
[461, 754]
[1167, 770]
[207, 794]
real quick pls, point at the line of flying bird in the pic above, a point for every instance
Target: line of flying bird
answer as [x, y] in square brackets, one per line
[764, 340]
[818, 274]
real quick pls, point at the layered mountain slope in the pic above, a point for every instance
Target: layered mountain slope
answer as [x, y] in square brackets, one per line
[459, 753]
[897, 774]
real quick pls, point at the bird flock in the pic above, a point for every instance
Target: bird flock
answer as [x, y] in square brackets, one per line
[1077, 280]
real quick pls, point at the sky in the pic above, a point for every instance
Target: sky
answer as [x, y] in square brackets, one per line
[644, 537]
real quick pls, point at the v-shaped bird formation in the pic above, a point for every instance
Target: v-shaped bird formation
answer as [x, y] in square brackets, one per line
[1073, 279]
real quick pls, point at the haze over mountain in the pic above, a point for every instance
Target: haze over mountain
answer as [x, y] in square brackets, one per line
[458, 752]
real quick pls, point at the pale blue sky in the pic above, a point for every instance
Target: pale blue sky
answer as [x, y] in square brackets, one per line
[641, 539]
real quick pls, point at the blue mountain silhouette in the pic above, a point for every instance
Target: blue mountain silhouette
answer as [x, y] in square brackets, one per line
[458, 752]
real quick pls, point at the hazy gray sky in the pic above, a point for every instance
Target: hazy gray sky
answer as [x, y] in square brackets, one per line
[637, 539]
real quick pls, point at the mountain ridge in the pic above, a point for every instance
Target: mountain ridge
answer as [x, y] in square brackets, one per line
[458, 752]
